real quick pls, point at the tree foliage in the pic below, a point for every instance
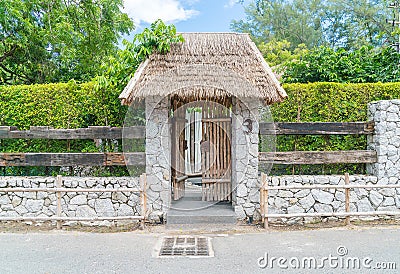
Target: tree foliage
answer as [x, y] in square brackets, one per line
[335, 23]
[57, 40]
[295, 21]
[365, 65]
[278, 54]
[117, 70]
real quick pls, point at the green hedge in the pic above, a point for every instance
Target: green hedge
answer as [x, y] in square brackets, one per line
[71, 105]
[328, 102]
[61, 105]
[331, 102]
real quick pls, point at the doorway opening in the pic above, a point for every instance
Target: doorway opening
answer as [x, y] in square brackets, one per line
[201, 150]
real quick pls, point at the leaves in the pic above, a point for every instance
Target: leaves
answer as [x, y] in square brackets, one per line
[116, 71]
[57, 40]
[364, 65]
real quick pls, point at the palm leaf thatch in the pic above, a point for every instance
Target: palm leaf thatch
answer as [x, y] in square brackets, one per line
[206, 66]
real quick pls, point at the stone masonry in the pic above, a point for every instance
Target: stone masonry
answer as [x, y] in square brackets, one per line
[158, 156]
[329, 200]
[385, 140]
[245, 184]
[74, 204]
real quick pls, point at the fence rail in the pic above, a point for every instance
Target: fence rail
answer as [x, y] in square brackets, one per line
[73, 159]
[327, 128]
[319, 157]
[139, 132]
[92, 132]
[58, 189]
[264, 195]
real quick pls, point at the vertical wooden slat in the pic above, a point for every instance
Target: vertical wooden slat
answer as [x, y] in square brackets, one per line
[347, 197]
[143, 201]
[265, 198]
[262, 211]
[58, 194]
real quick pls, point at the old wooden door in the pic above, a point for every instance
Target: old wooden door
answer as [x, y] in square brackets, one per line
[178, 147]
[216, 153]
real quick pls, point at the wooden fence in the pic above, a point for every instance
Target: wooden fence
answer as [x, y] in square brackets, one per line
[138, 132]
[58, 189]
[318, 157]
[73, 159]
[264, 195]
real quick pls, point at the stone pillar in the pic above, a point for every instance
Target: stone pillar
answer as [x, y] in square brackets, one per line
[245, 185]
[385, 140]
[158, 155]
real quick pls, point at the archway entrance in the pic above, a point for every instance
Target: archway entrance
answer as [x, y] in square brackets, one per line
[201, 148]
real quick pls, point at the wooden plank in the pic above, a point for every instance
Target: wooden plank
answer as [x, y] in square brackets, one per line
[77, 219]
[347, 197]
[319, 157]
[73, 159]
[287, 187]
[215, 180]
[333, 214]
[328, 128]
[216, 119]
[92, 132]
[75, 190]
[182, 178]
[58, 195]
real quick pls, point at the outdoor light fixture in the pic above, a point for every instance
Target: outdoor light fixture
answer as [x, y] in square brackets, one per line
[248, 125]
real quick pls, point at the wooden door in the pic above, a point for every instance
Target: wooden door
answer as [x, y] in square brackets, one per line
[216, 153]
[178, 150]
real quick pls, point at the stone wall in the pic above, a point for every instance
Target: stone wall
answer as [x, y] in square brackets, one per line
[158, 156]
[329, 200]
[385, 140]
[245, 184]
[44, 204]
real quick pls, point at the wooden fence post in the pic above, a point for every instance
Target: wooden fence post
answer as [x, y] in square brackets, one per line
[262, 211]
[347, 197]
[58, 194]
[264, 190]
[143, 197]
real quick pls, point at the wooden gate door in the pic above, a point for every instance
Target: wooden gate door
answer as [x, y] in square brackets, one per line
[178, 147]
[216, 153]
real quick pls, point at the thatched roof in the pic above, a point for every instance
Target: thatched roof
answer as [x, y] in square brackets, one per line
[206, 65]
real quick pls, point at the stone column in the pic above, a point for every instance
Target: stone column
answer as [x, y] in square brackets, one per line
[385, 140]
[245, 185]
[158, 155]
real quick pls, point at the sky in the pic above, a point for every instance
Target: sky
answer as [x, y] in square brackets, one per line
[186, 15]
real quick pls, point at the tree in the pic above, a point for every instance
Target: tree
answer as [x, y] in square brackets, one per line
[297, 22]
[364, 65]
[278, 54]
[116, 71]
[57, 40]
[334, 23]
[353, 24]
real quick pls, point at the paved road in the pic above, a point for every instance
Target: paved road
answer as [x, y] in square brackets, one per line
[131, 252]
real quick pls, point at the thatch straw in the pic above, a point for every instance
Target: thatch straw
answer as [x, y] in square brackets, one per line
[206, 65]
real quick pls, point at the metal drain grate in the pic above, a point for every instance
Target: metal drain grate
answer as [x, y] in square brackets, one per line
[196, 246]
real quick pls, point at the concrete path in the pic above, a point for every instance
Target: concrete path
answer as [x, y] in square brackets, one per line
[132, 252]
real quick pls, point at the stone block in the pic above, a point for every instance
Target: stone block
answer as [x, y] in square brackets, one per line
[322, 196]
[307, 202]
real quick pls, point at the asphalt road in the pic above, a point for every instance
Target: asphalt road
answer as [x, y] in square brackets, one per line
[133, 252]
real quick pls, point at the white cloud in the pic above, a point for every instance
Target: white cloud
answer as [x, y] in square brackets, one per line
[170, 11]
[231, 3]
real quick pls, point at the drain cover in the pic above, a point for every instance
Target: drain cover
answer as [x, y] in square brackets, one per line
[190, 246]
